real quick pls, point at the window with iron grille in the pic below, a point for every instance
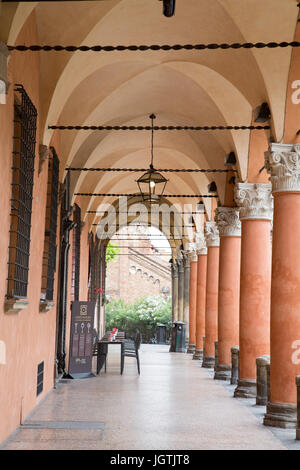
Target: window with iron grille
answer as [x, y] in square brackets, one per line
[40, 378]
[24, 141]
[49, 255]
[76, 253]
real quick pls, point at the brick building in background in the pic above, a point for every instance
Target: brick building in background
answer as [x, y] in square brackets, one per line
[141, 269]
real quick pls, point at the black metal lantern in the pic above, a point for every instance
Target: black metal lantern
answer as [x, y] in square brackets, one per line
[169, 8]
[152, 183]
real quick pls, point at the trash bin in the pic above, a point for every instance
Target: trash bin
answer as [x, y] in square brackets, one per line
[161, 334]
[178, 337]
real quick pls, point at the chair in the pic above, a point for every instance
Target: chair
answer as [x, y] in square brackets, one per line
[131, 349]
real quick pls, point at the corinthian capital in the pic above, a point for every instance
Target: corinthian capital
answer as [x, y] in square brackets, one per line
[282, 162]
[211, 234]
[201, 244]
[255, 200]
[192, 252]
[228, 221]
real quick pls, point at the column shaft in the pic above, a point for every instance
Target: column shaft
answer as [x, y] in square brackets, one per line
[211, 307]
[200, 305]
[228, 303]
[180, 292]
[192, 307]
[254, 302]
[176, 316]
[186, 295]
[285, 318]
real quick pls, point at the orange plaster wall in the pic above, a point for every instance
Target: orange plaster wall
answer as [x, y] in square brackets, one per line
[29, 335]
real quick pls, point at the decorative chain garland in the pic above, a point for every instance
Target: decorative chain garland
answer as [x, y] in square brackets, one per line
[158, 128]
[168, 170]
[137, 195]
[156, 47]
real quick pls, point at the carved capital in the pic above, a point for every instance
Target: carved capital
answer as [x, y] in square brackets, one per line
[192, 252]
[211, 234]
[174, 269]
[44, 153]
[186, 259]
[282, 162]
[180, 265]
[61, 191]
[82, 225]
[228, 221]
[255, 200]
[4, 83]
[201, 244]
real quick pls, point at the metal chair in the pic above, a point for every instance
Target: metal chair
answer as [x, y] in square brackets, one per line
[131, 349]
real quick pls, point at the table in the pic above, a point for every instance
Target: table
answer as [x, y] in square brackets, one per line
[103, 350]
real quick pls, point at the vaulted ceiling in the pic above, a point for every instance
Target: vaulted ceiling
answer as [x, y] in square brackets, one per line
[186, 87]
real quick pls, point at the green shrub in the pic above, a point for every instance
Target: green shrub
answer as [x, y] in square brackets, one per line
[144, 314]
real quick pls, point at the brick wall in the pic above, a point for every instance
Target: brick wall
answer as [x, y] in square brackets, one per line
[139, 271]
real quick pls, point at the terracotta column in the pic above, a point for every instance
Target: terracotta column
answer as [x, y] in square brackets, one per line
[212, 287]
[180, 288]
[255, 201]
[186, 293]
[192, 300]
[201, 295]
[283, 163]
[175, 290]
[229, 225]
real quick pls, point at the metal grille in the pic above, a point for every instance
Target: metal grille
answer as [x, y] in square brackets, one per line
[76, 253]
[49, 256]
[40, 378]
[24, 140]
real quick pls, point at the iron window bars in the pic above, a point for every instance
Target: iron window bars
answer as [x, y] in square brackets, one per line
[49, 255]
[76, 253]
[24, 141]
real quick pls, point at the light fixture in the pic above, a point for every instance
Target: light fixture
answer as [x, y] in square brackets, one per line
[212, 187]
[230, 160]
[263, 113]
[169, 8]
[149, 182]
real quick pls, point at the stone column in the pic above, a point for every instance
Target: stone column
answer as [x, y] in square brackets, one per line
[201, 295]
[175, 290]
[283, 163]
[212, 287]
[186, 293]
[229, 226]
[255, 201]
[180, 288]
[4, 83]
[192, 301]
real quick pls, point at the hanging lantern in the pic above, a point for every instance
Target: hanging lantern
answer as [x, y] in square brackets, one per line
[152, 183]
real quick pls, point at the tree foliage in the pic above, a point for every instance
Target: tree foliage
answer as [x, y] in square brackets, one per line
[144, 314]
[112, 251]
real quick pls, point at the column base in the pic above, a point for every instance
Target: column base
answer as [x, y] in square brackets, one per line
[246, 389]
[191, 349]
[198, 355]
[222, 372]
[281, 415]
[208, 362]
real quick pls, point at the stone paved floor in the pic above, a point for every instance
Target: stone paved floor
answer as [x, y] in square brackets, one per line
[174, 404]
